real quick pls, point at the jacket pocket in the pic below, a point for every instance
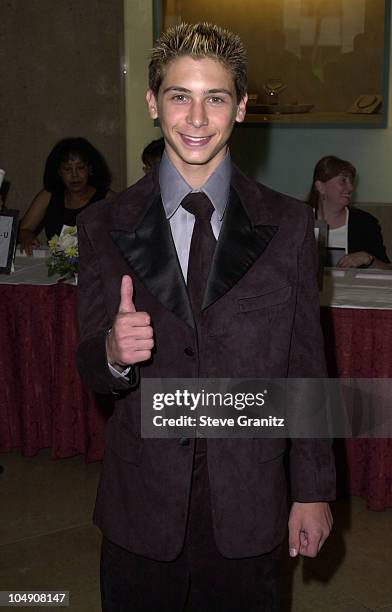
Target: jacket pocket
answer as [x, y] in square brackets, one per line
[270, 298]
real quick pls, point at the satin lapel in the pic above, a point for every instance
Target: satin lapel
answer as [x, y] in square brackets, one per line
[150, 251]
[238, 247]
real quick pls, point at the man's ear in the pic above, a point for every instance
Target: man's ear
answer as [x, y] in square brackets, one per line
[241, 109]
[152, 104]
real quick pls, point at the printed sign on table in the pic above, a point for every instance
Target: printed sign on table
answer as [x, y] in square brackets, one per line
[8, 235]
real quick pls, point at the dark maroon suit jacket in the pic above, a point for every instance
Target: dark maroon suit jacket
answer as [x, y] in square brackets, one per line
[260, 319]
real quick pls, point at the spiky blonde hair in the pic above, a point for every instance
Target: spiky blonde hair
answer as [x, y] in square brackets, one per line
[199, 40]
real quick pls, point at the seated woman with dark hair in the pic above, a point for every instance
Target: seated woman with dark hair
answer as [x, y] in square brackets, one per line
[76, 175]
[356, 232]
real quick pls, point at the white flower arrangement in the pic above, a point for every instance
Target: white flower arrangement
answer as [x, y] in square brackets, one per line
[63, 252]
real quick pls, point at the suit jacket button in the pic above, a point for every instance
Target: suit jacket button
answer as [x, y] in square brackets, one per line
[189, 351]
[184, 441]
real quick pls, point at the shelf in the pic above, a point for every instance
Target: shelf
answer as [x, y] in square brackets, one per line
[319, 119]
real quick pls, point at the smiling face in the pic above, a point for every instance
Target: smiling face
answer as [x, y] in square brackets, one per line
[336, 192]
[74, 173]
[197, 108]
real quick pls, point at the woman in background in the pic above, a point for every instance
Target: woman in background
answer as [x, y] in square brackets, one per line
[76, 175]
[351, 229]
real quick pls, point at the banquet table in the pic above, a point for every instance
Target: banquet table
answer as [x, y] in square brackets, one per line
[44, 403]
[356, 316]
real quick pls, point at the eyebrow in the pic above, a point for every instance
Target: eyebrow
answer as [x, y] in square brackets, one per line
[188, 91]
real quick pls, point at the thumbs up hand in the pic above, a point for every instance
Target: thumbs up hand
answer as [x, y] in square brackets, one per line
[130, 340]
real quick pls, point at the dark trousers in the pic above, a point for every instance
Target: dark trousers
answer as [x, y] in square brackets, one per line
[131, 583]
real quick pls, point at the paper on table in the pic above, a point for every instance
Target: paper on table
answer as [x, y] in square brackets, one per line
[5, 235]
[37, 252]
[387, 277]
[334, 272]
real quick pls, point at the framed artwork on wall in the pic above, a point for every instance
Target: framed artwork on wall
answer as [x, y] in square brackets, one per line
[310, 62]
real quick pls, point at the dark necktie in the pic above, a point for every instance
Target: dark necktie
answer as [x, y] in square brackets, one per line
[202, 248]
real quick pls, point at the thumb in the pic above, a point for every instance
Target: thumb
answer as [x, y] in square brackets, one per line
[126, 301]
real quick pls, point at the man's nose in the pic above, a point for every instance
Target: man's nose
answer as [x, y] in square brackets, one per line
[197, 114]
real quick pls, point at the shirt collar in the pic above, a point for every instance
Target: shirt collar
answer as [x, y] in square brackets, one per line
[174, 187]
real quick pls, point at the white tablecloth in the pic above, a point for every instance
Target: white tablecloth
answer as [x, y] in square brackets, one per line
[357, 288]
[352, 288]
[29, 271]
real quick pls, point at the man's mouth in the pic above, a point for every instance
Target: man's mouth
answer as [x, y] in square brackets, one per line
[195, 141]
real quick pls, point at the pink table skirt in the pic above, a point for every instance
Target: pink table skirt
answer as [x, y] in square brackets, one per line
[359, 345]
[43, 403]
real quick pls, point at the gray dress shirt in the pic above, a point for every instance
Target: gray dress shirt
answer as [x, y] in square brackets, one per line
[174, 188]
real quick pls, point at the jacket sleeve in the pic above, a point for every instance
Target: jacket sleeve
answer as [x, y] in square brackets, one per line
[312, 466]
[364, 234]
[94, 323]
[376, 243]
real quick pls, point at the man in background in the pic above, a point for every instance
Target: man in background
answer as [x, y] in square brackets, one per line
[152, 154]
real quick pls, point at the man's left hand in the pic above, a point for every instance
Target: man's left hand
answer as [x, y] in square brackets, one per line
[309, 526]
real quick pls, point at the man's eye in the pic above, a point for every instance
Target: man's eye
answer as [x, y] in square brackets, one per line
[179, 98]
[216, 100]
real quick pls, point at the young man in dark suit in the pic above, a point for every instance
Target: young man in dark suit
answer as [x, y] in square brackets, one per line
[198, 271]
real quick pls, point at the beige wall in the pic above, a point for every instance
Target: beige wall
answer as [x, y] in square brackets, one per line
[60, 67]
[140, 128]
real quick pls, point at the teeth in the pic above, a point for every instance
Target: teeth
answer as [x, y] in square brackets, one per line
[196, 138]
